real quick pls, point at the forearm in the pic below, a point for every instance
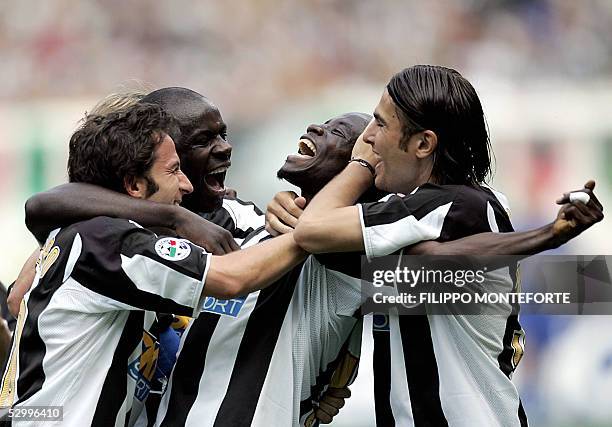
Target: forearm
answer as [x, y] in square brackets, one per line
[73, 202]
[254, 268]
[330, 223]
[342, 191]
[23, 283]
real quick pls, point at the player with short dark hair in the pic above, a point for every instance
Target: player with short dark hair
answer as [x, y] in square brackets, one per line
[428, 143]
[98, 281]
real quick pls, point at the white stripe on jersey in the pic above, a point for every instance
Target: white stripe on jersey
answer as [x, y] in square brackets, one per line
[320, 309]
[384, 239]
[220, 359]
[244, 215]
[75, 253]
[73, 339]
[151, 276]
[491, 218]
[399, 394]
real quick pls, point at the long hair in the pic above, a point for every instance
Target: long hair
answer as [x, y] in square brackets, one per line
[439, 99]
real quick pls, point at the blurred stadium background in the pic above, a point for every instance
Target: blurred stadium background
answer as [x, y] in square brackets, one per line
[543, 70]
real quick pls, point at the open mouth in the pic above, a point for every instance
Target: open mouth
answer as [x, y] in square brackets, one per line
[307, 148]
[215, 179]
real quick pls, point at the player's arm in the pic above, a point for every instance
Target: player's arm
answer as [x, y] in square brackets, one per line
[330, 222]
[137, 270]
[74, 202]
[22, 284]
[572, 219]
[251, 269]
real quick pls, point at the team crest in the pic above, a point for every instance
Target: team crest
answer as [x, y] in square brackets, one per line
[172, 249]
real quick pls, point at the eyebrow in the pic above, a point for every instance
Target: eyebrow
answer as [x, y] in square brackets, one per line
[379, 118]
[174, 163]
[208, 133]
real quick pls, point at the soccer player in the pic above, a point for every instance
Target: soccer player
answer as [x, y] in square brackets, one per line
[81, 323]
[429, 142]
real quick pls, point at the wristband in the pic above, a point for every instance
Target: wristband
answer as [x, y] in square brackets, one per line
[365, 164]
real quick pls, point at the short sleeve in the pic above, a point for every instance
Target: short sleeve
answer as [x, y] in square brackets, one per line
[399, 221]
[129, 264]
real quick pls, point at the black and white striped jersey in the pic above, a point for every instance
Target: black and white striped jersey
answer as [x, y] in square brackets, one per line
[238, 217]
[438, 370]
[259, 360]
[98, 285]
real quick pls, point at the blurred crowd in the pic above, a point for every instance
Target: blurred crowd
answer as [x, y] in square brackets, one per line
[269, 49]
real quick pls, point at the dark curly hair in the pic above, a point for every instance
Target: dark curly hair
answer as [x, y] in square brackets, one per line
[107, 149]
[439, 99]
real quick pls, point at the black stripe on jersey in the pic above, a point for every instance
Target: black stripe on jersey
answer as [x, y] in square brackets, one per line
[421, 371]
[114, 389]
[101, 251]
[108, 237]
[32, 349]
[256, 233]
[348, 263]
[427, 198]
[382, 379]
[222, 218]
[255, 352]
[522, 415]
[505, 357]
[188, 369]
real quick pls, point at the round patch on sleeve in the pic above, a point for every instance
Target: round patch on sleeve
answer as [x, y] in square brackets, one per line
[172, 249]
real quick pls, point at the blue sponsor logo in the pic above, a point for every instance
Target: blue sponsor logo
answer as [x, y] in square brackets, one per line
[143, 387]
[227, 307]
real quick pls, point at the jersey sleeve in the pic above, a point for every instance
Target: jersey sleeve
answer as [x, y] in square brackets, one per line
[137, 269]
[399, 221]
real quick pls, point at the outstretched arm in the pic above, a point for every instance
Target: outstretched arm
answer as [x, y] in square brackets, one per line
[254, 268]
[73, 202]
[572, 219]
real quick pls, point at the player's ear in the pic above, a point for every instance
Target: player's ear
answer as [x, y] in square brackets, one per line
[135, 186]
[428, 141]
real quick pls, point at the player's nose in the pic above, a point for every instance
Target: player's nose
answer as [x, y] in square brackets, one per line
[184, 184]
[316, 129]
[369, 132]
[222, 150]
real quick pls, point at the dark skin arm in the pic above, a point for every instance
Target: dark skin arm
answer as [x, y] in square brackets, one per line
[73, 202]
[572, 219]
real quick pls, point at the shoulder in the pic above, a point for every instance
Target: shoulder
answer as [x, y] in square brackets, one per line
[107, 230]
[105, 224]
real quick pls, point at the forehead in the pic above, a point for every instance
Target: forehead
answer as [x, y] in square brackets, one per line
[350, 121]
[165, 152]
[386, 111]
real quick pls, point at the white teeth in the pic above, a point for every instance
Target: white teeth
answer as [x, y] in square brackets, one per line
[218, 170]
[309, 144]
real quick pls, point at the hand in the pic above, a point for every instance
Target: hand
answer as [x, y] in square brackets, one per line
[575, 217]
[283, 212]
[330, 403]
[216, 240]
[362, 150]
